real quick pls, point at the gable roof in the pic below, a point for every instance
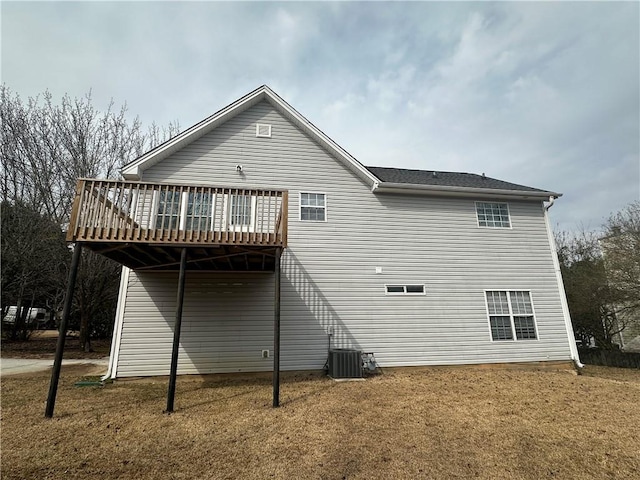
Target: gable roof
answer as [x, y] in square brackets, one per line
[380, 179]
[132, 170]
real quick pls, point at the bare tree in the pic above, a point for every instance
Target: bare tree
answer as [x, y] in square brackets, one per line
[602, 277]
[621, 248]
[46, 147]
[588, 293]
[35, 259]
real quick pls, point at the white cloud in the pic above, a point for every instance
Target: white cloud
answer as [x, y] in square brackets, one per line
[543, 94]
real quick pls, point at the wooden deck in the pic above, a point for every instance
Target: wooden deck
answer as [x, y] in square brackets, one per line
[146, 225]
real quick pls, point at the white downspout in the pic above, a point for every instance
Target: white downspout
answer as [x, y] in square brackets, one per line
[563, 296]
[117, 328]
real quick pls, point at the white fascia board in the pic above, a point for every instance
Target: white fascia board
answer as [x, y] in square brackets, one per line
[451, 191]
[133, 170]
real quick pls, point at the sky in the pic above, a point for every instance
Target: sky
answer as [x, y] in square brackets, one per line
[541, 94]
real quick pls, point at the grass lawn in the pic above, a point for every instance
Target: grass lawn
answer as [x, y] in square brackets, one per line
[435, 423]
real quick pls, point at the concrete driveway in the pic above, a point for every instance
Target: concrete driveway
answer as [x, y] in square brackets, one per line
[13, 366]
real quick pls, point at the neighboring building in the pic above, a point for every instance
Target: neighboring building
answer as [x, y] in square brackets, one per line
[619, 250]
[35, 317]
[418, 267]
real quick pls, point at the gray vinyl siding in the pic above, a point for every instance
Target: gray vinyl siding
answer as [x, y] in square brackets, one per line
[223, 324]
[329, 270]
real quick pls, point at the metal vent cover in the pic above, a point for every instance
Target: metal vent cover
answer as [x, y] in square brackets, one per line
[345, 363]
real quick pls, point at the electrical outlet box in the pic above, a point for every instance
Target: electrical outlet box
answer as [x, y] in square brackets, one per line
[265, 353]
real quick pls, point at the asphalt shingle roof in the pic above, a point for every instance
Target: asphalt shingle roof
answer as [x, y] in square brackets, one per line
[449, 179]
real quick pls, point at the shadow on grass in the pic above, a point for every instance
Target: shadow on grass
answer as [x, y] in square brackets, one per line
[250, 383]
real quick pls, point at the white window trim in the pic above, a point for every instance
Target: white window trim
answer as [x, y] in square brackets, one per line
[258, 126]
[153, 213]
[513, 325]
[405, 293]
[475, 205]
[326, 207]
[182, 219]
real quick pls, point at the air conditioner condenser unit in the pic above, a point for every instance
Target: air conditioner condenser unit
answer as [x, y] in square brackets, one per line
[345, 363]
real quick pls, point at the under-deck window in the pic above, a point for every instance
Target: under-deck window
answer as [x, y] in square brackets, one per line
[313, 207]
[511, 315]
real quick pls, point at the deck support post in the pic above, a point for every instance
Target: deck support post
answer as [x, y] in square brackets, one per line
[62, 331]
[276, 332]
[176, 332]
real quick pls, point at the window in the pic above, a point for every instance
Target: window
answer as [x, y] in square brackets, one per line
[313, 207]
[493, 215]
[168, 210]
[511, 315]
[240, 214]
[201, 211]
[198, 212]
[405, 289]
[183, 211]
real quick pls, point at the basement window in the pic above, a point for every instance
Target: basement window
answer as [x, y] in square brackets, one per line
[405, 289]
[511, 315]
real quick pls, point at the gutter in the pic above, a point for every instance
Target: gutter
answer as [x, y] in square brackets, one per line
[563, 296]
[445, 190]
[552, 200]
[117, 328]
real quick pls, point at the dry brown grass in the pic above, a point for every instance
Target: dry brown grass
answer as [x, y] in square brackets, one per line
[409, 423]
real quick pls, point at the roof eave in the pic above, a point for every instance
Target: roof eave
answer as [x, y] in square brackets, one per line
[451, 191]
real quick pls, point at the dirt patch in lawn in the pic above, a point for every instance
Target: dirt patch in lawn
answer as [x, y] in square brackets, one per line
[42, 344]
[436, 423]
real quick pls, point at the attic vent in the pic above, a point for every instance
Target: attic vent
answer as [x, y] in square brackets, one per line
[263, 130]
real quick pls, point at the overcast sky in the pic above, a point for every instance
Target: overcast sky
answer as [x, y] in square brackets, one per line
[542, 94]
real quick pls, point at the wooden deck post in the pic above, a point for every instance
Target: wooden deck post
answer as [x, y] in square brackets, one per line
[62, 332]
[276, 333]
[176, 332]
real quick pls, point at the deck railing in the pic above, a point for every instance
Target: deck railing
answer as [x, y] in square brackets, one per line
[121, 211]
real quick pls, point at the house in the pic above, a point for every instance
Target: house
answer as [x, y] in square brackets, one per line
[288, 241]
[619, 250]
